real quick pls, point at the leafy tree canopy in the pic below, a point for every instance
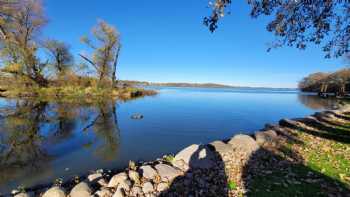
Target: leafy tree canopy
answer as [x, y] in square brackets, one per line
[298, 23]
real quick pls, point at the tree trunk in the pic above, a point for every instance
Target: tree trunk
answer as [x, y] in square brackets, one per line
[114, 77]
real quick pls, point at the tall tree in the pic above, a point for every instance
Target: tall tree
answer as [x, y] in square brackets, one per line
[19, 39]
[106, 47]
[299, 22]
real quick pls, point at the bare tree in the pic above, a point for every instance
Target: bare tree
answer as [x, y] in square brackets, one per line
[106, 47]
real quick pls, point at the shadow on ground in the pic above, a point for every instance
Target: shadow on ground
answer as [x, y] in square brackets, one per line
[276, 168]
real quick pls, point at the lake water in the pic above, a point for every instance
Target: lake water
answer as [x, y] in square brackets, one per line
[41, 141]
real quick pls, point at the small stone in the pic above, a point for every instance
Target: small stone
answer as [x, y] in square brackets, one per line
[54, 192]
[119, 192]
[94, 177]
[23, 194]
[136, 191]
[102, 182]
[125, 184]
[148, 172]
[147, 187]
[104, 192]
[116, 179]
[162, 187]
[167, 173]
[134, 176]
[81, 190]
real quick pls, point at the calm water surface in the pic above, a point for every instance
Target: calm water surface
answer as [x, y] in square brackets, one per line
[41, 141]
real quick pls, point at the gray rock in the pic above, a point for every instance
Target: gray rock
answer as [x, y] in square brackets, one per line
[148, 172]
[147, 187]
[134, 176]
[266, 137]
[116, 179]
[81, 190]
[104, 192]
[167, 173]
[136, 191]
[119, 192]
[55, 192]
[162, 187]
[221, 147]
[187, 153]
[244, 143]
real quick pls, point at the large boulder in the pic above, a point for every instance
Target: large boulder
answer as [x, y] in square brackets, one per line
[244, 143]
[81, 190]
[194, 156]
[55, 192]
[187, 153]
[116, 179]
[266, 137]
[221, 147]
[167, 173]
[148, 172]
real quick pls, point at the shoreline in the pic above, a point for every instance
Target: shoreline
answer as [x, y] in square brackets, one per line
[161, 176]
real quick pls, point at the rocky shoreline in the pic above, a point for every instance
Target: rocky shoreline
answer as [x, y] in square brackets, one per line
[214, 169]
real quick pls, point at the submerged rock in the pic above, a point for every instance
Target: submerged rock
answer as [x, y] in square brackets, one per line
[55, 192]
[137, 116]
[81, 190]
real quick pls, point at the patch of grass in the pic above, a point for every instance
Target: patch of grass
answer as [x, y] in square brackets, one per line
[232, 185]
[169, 158]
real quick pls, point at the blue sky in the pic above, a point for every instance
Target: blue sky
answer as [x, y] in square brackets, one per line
[165, 41]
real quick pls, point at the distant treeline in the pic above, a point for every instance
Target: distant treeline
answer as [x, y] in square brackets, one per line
[335, 82]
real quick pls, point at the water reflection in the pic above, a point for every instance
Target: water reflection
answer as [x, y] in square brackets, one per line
[34, 134]
[317, 103]
[39, 140]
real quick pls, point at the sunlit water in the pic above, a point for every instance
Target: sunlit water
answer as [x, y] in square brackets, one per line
[40, 142]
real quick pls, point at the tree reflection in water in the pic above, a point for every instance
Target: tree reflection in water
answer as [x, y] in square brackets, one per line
[32, 134]
[317, 103]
